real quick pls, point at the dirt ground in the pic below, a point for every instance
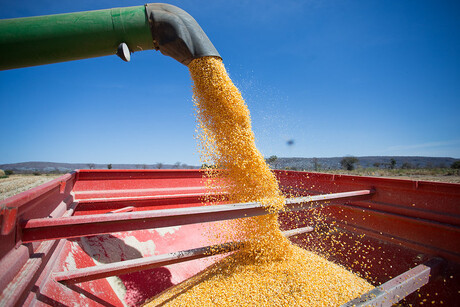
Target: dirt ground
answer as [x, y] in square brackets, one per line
[16, 184]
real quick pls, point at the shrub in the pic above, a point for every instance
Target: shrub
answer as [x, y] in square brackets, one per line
[9, 172]
[392, 163]
[348, 163]
[3, 174]
[207, 166]
[36, 173]
[407, 165]
[316, 164]
[455, 165]
[271, 159]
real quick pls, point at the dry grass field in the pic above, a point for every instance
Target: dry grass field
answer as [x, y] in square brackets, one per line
[16, 184]
[422, 174]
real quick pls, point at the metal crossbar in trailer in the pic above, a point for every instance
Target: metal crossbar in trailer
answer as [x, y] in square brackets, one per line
[135, 265]
[86, 225]
[398, 288]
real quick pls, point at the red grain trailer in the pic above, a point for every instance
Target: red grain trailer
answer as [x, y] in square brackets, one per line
[118, 237]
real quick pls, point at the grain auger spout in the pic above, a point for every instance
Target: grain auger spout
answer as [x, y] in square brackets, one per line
[33, 41]
[176, 34]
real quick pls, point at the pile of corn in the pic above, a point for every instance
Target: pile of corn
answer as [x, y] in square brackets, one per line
[269, 270]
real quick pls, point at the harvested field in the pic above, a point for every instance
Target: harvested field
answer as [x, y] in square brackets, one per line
[16, 184]
[424, 174]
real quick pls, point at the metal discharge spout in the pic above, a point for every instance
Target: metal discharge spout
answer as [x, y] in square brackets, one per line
[176, 34]
[57, 38]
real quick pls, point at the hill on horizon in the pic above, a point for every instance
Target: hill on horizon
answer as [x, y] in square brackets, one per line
[279, 163]
[56, 167]
[364, 162]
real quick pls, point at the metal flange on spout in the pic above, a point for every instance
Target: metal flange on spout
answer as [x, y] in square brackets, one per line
[58, 38]
[176, 34]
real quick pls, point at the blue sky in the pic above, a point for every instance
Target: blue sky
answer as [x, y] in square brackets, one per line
[337, 77]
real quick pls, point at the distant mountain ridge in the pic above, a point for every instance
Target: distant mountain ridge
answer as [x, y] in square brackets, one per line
[55, 167]
[279, 163]
[364, 162]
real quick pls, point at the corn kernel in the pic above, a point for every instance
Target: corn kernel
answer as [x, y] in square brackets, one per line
[268, 270]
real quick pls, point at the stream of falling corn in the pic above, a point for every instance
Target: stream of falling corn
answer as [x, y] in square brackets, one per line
[268, 270]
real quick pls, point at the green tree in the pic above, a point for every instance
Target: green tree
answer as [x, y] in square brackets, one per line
[207, 166]
[271, 159]
[392, 163]
[316, 164]
[455, 165]
[348, 163]
[109, 166]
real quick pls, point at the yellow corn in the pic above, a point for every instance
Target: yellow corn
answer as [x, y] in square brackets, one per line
[269, 270]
